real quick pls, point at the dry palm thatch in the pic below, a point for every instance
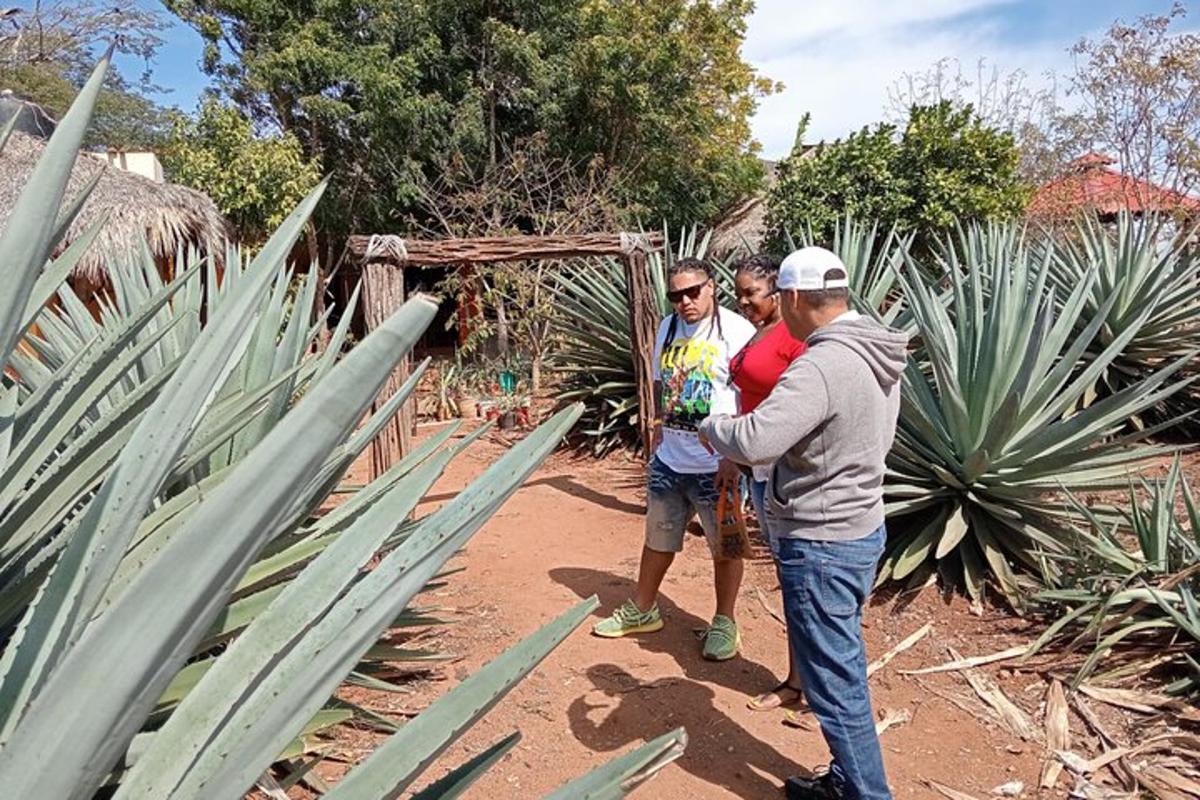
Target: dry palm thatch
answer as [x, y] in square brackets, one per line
[742, 228]
[166, 216]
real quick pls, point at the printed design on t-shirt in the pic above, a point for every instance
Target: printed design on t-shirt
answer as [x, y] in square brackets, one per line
[688, 369]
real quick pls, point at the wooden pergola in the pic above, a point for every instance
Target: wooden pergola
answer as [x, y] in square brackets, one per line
[384, 257]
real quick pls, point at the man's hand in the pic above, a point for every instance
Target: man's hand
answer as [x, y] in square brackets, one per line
[704, 441]
[656, 436]
[728, 474]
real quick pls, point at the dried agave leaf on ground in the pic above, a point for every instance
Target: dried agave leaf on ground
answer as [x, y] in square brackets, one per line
[769, 607]
[1160, 775]
[892, 718]
[1058, 733]
[1132, 699]
[1010, 714]
[1165, 741]
[905, 644]
[972, 661]
[947, 792]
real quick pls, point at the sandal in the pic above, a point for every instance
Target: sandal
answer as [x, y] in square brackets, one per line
[775, 698]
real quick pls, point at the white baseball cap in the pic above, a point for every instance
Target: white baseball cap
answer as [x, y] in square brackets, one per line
[804, 271]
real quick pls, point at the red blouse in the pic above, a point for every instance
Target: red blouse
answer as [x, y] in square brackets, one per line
[757, 366]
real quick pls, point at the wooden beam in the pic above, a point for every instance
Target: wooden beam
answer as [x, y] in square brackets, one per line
[643, 328]
[488, 249]
[383, 294]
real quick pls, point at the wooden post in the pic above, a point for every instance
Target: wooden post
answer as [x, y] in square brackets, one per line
[643, 327]
[383, 294]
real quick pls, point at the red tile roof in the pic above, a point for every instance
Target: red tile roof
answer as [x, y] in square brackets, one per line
[1090, 182]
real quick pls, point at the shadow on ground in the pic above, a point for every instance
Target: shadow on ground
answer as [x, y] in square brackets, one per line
[568, 485]
[720, 751]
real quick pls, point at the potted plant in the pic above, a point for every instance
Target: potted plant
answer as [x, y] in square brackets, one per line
[513, 409]
[446, 403]
[463, 389]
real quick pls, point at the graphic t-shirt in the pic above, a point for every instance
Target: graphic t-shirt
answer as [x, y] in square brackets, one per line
[694, 369]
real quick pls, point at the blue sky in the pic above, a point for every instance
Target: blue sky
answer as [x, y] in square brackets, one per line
[837, 58]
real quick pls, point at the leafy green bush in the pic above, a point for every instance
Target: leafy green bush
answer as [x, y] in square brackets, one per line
[947, 166]
[181, 615]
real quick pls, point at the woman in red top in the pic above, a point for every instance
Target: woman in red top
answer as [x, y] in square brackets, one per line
[755, 370]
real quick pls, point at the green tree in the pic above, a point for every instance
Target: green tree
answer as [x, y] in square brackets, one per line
[48, 51]
[947, 165]
[254, 180]
[387, 93]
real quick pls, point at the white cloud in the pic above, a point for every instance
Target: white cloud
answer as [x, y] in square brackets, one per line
[838, 59]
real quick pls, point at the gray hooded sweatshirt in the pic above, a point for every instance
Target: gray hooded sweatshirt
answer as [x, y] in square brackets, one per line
[827, 426]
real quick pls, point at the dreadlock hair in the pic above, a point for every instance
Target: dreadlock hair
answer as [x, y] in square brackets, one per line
[692, 264]
[761, 267]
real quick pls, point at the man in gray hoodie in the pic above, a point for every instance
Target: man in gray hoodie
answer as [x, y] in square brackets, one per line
[827, 428]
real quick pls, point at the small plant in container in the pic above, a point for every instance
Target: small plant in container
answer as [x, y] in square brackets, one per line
[513, 410]
[446, 400]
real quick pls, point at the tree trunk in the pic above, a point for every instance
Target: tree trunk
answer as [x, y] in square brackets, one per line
[643, 325]
[314, 263]
[383, 294]
[501, 327]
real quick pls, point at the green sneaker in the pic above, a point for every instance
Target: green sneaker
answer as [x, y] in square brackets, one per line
[629, 619]
[721, 640]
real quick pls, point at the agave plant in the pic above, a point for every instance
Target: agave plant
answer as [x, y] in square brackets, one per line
[873, 260]
[1131, 610]
[1145, 265]
[989, 428]
[594, 353]
[181, 616]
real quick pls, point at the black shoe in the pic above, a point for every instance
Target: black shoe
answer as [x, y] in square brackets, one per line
[822, 786]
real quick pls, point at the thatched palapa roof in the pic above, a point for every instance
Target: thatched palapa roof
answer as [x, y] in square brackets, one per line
[167, 216]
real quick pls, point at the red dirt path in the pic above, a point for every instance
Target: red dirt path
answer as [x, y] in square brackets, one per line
[574, 530]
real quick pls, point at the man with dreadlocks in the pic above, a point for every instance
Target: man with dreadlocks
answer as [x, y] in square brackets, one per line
[691, 373]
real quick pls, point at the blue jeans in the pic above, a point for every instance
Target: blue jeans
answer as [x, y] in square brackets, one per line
[825, 585]
[758, 494]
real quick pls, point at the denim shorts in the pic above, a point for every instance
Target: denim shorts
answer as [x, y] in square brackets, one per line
[672, 500]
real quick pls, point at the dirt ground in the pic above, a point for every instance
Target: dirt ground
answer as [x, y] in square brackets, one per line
[575, 530]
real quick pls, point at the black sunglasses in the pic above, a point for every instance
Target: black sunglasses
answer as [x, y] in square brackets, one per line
[691, 292]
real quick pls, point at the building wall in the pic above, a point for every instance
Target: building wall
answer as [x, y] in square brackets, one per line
[144, 163]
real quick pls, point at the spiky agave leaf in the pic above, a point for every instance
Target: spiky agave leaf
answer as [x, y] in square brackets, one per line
[990, 425]
[124, 603]
[1146, 264]
[1135, 608]
[873, 259]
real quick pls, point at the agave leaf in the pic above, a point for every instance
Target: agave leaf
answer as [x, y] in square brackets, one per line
[621, 776]
[88, 562]
[392, 767]
[8, 410]
[222, 537]
[56, 273]
[28, 235]
[301, 678]
[459, 779]
[956, 528]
